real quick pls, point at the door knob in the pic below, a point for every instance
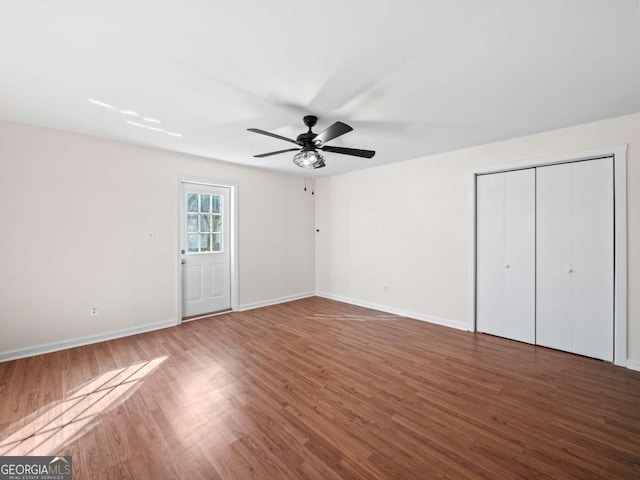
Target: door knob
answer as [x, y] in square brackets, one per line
[507, 266]
[183, 261]
[569, 270]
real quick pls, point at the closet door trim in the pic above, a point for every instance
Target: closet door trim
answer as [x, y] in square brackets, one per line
[619, 154]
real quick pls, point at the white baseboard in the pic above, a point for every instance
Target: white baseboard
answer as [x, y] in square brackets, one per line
[274, 301]
[396, 311]
[78, 342]
[633, 364]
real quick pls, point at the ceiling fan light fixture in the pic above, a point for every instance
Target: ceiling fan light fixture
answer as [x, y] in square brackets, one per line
[309, 159]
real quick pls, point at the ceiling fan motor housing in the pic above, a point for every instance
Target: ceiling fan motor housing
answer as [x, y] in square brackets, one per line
[310, 121]
[306, 140]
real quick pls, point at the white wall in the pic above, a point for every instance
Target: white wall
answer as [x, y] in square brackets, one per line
[407, 224]
[74, 211]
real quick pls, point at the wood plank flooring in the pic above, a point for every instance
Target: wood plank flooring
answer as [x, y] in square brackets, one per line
[316, 389]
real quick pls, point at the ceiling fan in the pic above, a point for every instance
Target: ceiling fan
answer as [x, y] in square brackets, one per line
[309, 143]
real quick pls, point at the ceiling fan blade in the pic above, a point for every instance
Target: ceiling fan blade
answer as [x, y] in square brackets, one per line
[262, 132]
[356, 152]
[276, 153]
[332, 132]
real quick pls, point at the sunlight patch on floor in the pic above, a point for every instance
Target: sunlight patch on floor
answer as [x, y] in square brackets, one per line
[63, 421]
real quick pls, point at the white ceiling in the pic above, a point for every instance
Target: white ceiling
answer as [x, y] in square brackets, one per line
[412, 77]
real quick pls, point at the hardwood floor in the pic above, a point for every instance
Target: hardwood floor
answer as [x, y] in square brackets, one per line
[316, 389]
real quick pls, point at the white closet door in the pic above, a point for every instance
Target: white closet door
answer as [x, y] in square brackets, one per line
[490, 311]
[520, 256]
[506, 255]
[575, 257]
[553, 243]
[593, 260]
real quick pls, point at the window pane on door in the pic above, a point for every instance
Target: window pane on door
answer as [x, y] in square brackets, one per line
[192, 223]
[216, 204]
[217, 242]
[205, 242]
[216, 224]
[205, 223]
[192, 202]
[192, 240]
[205, 203]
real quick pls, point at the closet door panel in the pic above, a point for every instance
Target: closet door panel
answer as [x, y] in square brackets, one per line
[506, 255]
[553, 258]
[519, 258]
[592, 277]
[490, 254]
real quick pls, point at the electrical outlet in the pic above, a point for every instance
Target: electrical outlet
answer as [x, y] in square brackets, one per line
[94, 311]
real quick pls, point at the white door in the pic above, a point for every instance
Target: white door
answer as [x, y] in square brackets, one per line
[575, 257]
[205, 237]
[553, 286]
[506, 254]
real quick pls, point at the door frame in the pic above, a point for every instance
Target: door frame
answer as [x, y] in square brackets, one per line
[619, 154]
[233, 253]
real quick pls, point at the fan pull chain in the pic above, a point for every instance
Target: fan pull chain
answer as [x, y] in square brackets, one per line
[312, 186]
